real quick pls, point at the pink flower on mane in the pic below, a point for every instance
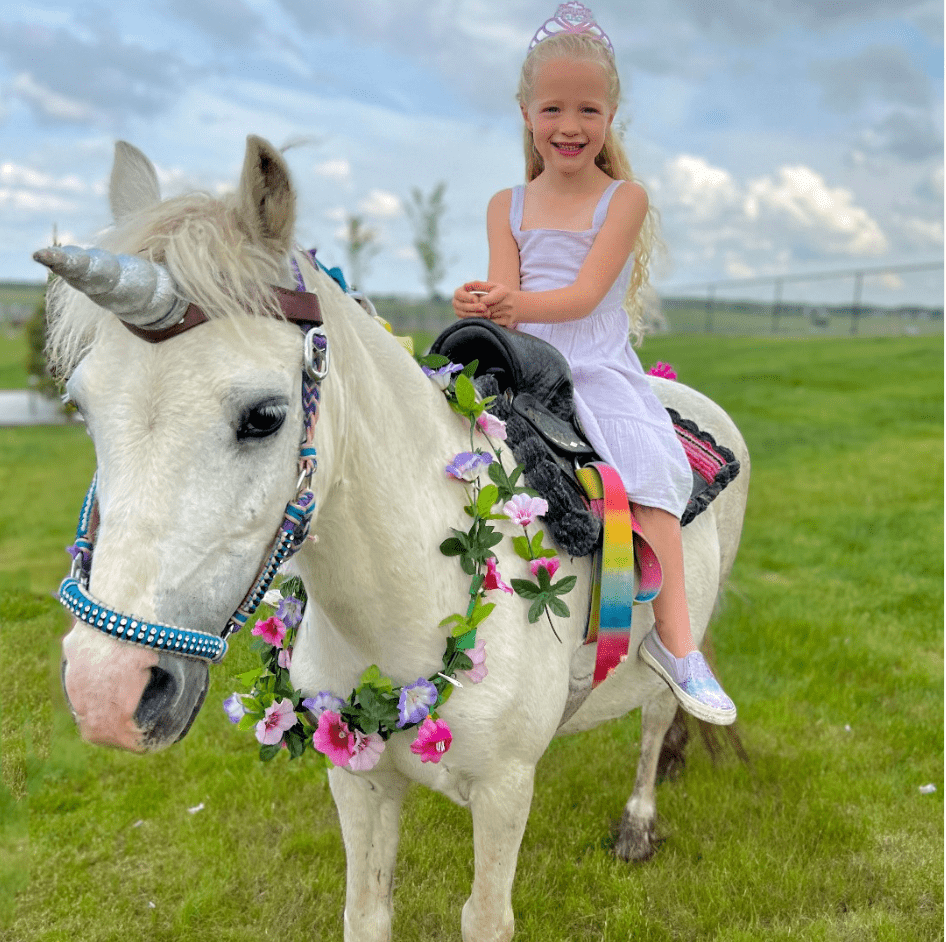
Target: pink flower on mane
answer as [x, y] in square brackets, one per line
[366, 751]
[272, 631]
[277, 718]
[333, 738]
[477, 654]
[549, 565]
[433, 740]
[491, 426]
[523, 509]
[493, 578]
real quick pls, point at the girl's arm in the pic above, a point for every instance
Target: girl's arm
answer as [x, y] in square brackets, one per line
[503, 260]
[611, 249]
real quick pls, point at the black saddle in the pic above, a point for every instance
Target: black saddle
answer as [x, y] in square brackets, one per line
[535, 397]
[530, 374]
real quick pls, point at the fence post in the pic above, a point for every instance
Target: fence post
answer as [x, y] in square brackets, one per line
[710, 300]
[777, 306]
[856, 308]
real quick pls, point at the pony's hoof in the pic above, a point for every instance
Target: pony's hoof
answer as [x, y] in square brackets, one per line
[635, 840]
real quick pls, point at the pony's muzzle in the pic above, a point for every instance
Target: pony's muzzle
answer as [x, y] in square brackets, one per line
[135, 699]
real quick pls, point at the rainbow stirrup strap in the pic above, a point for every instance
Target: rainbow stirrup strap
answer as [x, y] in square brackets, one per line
[613, 595]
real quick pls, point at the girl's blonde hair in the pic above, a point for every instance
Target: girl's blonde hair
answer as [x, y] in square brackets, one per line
[613, 159]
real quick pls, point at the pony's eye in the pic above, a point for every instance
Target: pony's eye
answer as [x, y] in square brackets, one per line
[261, 420]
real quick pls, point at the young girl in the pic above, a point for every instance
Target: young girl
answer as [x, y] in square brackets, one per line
[567, 253]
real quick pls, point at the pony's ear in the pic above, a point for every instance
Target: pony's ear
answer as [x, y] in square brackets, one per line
[134, 184]
[267, 199]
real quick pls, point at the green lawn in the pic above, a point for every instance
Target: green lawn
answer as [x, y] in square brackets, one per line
[830, 641]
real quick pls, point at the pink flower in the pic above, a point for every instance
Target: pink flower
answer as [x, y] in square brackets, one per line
[523, 509]
[663, 370]
[272, 631]
[491, 426]
[366, 751]
[284, 659]
[493, 578]
[433, 740]
[477, 654]
[549, 565]
[278, 717]
[333, 738]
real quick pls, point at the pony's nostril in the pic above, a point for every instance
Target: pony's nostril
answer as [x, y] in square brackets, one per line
[156, 699]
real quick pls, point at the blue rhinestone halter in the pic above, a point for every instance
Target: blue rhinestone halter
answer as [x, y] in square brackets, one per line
[302, 308]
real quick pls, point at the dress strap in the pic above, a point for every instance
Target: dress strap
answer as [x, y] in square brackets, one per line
[601, 210]
[515, 209]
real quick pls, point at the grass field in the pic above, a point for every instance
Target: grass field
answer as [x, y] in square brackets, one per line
[830, 641]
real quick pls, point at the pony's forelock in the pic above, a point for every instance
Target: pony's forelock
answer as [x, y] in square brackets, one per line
[209, 252]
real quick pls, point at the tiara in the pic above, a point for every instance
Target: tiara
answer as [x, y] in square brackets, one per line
[571, 17]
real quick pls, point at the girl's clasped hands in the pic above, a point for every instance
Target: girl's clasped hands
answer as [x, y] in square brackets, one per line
[486, 299]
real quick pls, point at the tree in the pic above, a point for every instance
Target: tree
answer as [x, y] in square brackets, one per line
[426, 214]
[361, 246]
[36, 368]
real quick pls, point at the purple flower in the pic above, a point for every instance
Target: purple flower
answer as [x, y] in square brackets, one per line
[441, 377]
[289, 611]
[491, 426]
[477, 654]
[233, 707]
[321, 702]
[523, 509]
[467, 465]
[277, 718]
[416, 701]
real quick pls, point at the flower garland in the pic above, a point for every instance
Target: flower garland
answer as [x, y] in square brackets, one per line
[353, 732]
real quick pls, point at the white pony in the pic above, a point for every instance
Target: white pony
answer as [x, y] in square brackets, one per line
[197, 440]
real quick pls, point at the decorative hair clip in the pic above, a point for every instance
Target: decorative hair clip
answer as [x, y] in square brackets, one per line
[572, 17]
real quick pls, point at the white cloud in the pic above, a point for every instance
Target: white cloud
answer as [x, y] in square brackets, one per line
[335, 169]
[801, 196]
[381, 205]
[49, 103]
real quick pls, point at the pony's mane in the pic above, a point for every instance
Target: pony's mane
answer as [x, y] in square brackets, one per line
[207, 248]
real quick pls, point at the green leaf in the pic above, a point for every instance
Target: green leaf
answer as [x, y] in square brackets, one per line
[470, 369]
[453, 619]
[466, 641]
[466, 393]
[536, 610]
[565, 585]
[453, 546]
[481, 612]
[558, 607]
[526, 588]
[248, 721]
[521, 545]
[249, 678]
[268, 753]
[487, 498]
[433, 361]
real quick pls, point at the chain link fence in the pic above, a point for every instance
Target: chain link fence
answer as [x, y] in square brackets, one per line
[888, 301]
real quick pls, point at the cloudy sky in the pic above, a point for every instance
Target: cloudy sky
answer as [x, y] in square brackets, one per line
[775, 136]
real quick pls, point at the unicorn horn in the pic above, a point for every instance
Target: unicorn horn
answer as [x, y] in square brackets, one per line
[140, 292]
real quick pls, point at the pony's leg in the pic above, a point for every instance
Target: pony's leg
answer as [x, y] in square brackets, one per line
[636, 831]
[369, 813]
[500, 809]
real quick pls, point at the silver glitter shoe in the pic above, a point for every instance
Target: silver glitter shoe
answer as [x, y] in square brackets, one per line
[691, 681]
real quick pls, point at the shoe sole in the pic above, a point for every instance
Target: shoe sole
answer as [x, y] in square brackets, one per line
[690, 704]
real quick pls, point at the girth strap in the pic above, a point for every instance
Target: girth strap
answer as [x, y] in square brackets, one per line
[609, 622]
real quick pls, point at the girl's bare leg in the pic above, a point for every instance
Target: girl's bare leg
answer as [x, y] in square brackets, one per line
[671, 613]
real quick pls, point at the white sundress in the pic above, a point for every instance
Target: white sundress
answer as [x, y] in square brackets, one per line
[619, 412]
